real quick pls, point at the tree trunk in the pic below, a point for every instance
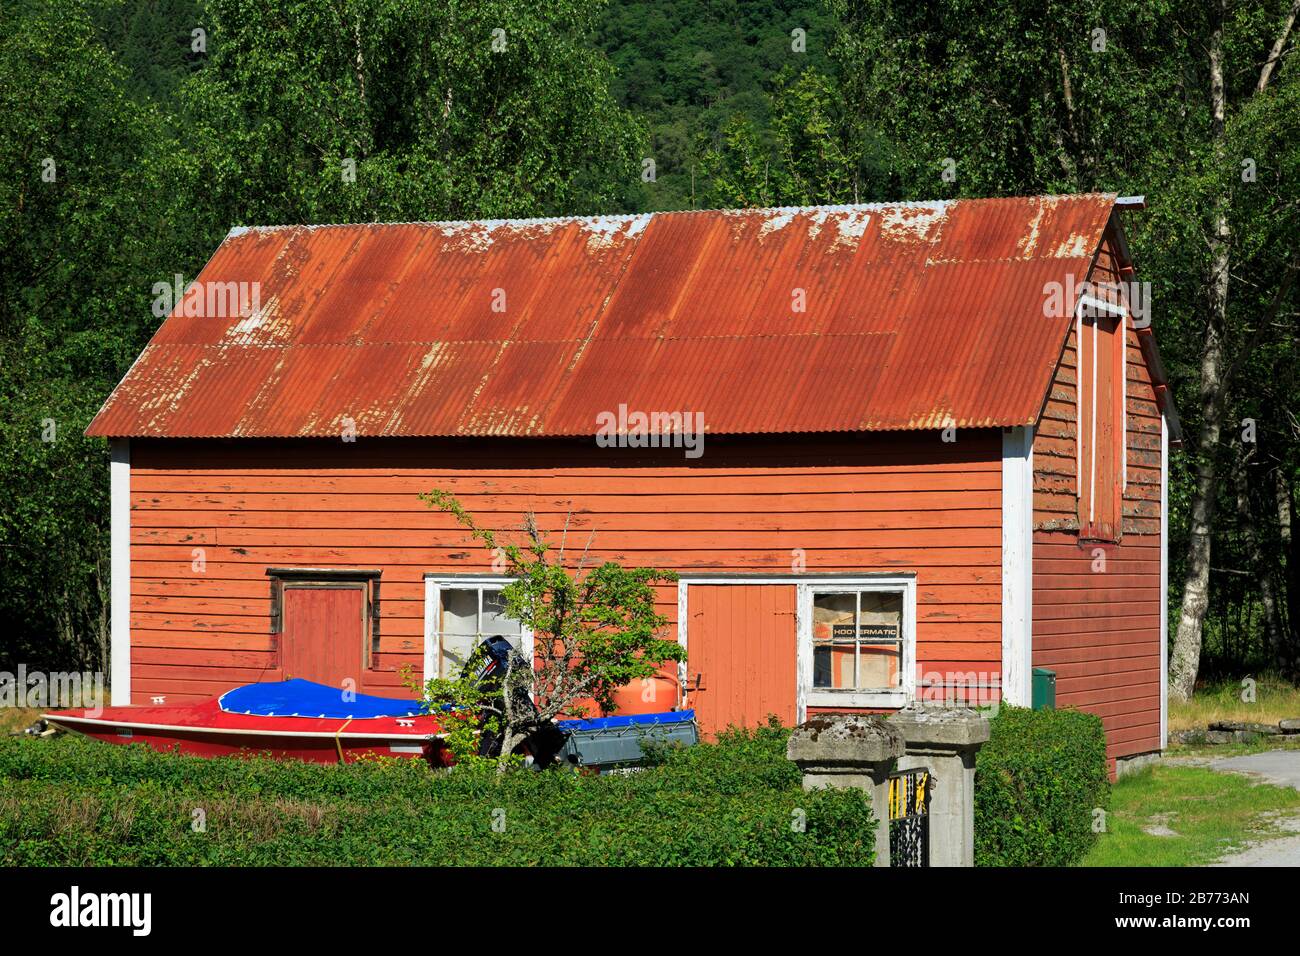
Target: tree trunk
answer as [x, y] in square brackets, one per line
[510, 740]
[1257, 562]
[1185, 659]
[1279, 45]
[1290, 577]
[1186, 656]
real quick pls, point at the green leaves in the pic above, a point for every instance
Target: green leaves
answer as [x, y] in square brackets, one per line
[1026, 100]
[594, 631]
[71, 801]
[82, 194]
[1038, 781]
[439, 117]
[125, 157]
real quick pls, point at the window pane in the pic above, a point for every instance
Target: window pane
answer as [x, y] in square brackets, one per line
[881, 636]
[459, 610]
[833, 639]
[458, 628]
[876, 640]
[494, 619]
[456, 649]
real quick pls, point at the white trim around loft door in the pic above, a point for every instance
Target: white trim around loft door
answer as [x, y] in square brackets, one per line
[1078, 402]
[119, 492]
[1123, 313]
[1123, 413]
[1017, 564]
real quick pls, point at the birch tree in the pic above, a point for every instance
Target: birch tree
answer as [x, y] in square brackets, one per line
[1216, 373]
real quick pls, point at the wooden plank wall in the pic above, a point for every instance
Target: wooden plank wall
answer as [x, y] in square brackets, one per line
[1100, 630]
[847, 503]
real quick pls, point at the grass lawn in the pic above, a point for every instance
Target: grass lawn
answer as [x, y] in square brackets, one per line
[1187, 816]
[17, 718]
[1274, 700]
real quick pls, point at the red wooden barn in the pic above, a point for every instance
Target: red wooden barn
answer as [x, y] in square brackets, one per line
[895, 451]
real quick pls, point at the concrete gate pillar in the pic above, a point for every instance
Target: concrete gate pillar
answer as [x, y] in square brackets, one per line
[850, 750]
[944, 741]
[859, 750]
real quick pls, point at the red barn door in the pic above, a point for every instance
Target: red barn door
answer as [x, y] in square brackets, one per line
[742, 646]
[324, 634]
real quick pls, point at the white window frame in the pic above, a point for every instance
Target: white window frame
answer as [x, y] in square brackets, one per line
[835, 697]
[805, 586]
[433, 585]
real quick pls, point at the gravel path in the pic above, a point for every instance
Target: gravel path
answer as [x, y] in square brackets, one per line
[1281, 768]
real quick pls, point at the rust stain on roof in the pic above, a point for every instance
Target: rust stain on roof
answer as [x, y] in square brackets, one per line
[833, 318]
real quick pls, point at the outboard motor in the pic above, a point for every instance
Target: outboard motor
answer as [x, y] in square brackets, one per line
[499, 657]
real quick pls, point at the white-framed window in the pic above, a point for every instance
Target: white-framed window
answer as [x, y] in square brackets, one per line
[459, 612]
[857, 642]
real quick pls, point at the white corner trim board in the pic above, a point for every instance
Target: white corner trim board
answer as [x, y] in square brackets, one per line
[1017, 563]
[1164, 582]
[119, 514]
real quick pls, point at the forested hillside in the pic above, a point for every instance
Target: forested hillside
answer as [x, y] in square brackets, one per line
[134, 133]
[692, 67]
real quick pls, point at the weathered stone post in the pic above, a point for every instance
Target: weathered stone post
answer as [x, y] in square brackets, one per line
[850, 750]
[944, 740]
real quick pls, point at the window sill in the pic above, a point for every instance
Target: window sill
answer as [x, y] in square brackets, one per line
[857, 698]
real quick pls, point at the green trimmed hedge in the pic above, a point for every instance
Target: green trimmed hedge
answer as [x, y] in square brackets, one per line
[74, 802]
[1038, 783]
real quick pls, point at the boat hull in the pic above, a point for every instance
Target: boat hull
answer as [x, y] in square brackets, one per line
[205, 730]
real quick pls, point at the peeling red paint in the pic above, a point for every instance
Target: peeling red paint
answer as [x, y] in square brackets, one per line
[915, 316]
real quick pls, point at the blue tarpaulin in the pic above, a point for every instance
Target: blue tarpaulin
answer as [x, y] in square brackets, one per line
[628, 720]
[304, 698]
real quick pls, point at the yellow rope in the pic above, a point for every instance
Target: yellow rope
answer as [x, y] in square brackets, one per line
[338, 742]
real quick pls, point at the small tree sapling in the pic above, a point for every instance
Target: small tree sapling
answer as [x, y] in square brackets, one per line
[594, 631]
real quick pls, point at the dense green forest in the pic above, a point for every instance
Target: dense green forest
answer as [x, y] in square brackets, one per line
[134, 133]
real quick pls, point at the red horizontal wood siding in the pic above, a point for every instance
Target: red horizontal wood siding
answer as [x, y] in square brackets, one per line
[860, 503]
[1096, 621]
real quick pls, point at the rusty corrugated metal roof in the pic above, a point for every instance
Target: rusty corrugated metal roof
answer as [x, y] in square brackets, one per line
[916, 315]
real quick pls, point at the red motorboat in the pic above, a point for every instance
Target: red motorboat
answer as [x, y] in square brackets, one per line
[295, 719]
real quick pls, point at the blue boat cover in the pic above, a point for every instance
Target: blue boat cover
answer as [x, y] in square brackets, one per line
[304, 698]
[627, 720]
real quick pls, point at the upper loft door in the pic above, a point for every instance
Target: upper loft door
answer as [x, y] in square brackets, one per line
[1101, 426]
[324, 634]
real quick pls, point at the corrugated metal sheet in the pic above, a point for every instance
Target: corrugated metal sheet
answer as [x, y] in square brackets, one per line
[916, 316]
